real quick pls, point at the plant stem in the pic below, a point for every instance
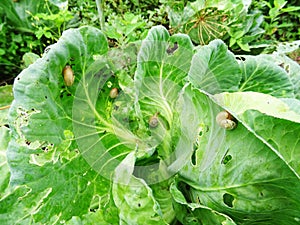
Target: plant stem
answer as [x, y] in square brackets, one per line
[99, 4]
[5, 107]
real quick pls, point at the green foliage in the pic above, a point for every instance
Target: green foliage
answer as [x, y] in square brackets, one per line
[28, 27]
[126, 28]
[209, 20]
[153, 153]
[280, 19]
[246, 26]
[12, 48]
[50, 26]
[16, 12]
[85, 13]
[113, 166]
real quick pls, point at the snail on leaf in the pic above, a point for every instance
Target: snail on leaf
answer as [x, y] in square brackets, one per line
[68, 75]
[153, 121]
[226, 120]
[113, 93]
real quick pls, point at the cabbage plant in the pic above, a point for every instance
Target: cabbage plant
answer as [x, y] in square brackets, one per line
[135, 136]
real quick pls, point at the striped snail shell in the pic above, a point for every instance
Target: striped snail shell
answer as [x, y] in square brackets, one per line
[226, 120]
[153, 121]
[68, 75]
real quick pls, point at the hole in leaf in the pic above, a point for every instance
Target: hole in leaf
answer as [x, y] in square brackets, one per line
[287, 68]
[171, 50]
[228, 200]
[155, 215]
[241, 58]
[193, 158]
[226, 159]
[207, 129]
[198, 200]
[139, 204]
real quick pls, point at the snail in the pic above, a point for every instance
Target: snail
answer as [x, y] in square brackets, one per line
[113, 93]
[68, 75]
[226, 120]
[153, 121]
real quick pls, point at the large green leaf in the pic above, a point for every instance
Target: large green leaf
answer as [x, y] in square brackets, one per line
[134, 197]
[163, 64]
[43, 154]
[261, 75]
[214, 69]
[41, 98]
[249, 182]
[291, 68]
[162, 195]
[100, 123]
[51, 192]
[240, 102]
[275, 121]
[81, 154]
[195, 213]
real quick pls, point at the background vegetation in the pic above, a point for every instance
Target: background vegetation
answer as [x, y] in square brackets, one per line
[30, 27]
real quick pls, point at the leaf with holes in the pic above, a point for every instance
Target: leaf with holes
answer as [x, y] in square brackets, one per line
[43, 154]
[246, 182]
[140, 135]
[133, 197]
[163, 64]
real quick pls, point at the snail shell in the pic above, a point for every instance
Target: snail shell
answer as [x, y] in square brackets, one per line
[226, 120]
[113, 93]
[153, 121]
[68, 75]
